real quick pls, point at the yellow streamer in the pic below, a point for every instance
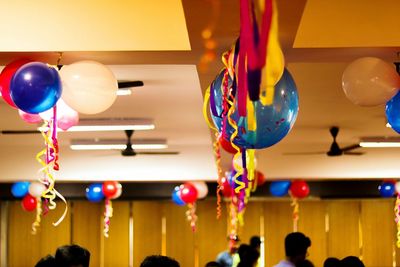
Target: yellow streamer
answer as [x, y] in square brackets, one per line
[295, 213]
[251, 116]
[275, 63]
[36, 223]
[205, 109]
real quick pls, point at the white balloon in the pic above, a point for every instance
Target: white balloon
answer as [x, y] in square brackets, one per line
[119, 191]
[370, 81]
[238, 161]
[36, 189]
[397, 186]
[88, 86]
[202, 189]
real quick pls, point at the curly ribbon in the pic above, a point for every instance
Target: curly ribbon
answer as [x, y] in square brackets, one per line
[36, 223]
[397, 219]
[295, 213]
[191, 215]
[108, 213]
[233, 218]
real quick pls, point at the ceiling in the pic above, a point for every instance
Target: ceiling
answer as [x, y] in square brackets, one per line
[318, 42]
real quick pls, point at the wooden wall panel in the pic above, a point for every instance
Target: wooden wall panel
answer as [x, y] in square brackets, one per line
[179, 235]
[343, 235]
[312, 224]
[147, 233]
[251, 226]
[23, 247]
[116, 246]
[87, 228]
[211, 234]
[377, 232]
[278, 223]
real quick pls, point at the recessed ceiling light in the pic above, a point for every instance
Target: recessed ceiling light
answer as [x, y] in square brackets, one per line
[380, 142]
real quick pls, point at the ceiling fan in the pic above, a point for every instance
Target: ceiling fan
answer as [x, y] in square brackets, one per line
[130, 148]
[334, 150]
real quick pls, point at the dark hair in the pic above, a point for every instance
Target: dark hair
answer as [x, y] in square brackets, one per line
[71, 255]
[305, 263]
[296, 244]
[159, 261]
[351, 261]
[255, 242]
[248, 255]
[332, 262]
[47, 261]
[212, 264]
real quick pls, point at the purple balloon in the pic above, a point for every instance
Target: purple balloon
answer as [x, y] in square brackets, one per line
[35, 87]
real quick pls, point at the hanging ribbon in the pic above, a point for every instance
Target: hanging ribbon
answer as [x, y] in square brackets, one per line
[397, 220]
[108, 213]
[191, 215]
[36, 223]
[295, 214]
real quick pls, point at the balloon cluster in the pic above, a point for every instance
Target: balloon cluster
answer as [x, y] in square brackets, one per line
[86, 87]
[370, 81]
[29, 192]
[98, 191]
[297, 188]
[228, 183]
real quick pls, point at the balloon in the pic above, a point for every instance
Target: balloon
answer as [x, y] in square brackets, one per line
[370, 81]
[226, 188]
[118, 193]
[299, 189]
[176, 197]
[89, 87]
[94, 192]
[5, 79]
[110, 188]
[279, 188]
[392, 112]
[261, 179]
[66, 116]
[29, 203]
[35, 87]
[20, 189]
[202, 189]
[188, 193]
[36, 189]
[226, 145]
[397, 187]
[273, 122]
[29, 118]
[387, 189]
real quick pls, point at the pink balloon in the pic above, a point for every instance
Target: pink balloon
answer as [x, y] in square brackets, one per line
[29, 118]
[66, 116]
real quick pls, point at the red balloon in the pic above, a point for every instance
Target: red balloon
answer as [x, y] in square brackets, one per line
[226, 145]
[226, 188]
[29, 203]
[5, 79]
[110, 189]
[188, 193]
[261, 179]
[299, 189]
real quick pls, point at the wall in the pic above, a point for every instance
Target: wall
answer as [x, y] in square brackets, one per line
[337, 228]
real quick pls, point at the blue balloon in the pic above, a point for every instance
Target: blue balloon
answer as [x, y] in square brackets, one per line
[273, 122]
[94, 192]
[20, 189]
[279, 188]
[392, 112]
[176, 198]
[35, 87]
[387, 189]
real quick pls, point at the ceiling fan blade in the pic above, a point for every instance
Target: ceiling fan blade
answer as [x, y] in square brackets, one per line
[303, 153]
[157, 152]
[128, 84]
[5, 132]
[353, 153]
[351, 147]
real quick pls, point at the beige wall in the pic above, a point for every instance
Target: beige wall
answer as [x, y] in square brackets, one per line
[336, 227]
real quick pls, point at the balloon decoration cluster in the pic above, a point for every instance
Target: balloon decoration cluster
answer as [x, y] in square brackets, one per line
[187, 194]
[109, 190]
[42, 92]
[370, 81]
[253, 102]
